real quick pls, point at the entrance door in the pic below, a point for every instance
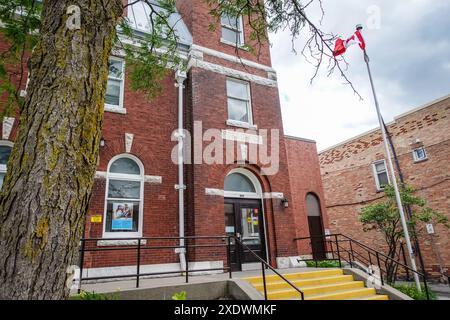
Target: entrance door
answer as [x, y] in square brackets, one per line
[315, 227]
[243, 219]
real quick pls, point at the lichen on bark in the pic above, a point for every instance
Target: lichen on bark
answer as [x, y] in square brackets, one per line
[43, 203]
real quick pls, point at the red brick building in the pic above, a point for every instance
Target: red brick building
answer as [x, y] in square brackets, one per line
[241, 175]
[354, 171]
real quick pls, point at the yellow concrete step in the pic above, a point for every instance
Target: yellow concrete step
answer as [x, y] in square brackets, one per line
[314, 290]
[279, 285]
[376, 297]
[345, 295]
[298, 275]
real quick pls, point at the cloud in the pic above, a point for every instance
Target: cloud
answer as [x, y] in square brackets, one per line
[409, 59]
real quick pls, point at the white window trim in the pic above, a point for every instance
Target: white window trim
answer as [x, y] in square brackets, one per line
[245, 195]
[239, 30]
[4, 167]
[127, 177]
[375, 174]
[130, 15]
[237, 123]
[120, 108]
[416, 159]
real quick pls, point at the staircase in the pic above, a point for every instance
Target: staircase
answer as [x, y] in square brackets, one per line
[329, 284]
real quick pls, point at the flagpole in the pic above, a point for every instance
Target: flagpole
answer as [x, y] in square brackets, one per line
[393, 177]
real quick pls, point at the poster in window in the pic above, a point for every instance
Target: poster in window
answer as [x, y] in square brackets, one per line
[122, 217]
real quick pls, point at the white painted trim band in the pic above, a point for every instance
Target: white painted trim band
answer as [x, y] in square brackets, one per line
[147, 178]
[232, 58]
[231, 72]
[241, 137]
[214, 192]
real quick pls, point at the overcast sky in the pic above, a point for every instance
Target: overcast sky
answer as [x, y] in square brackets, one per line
[409, 47]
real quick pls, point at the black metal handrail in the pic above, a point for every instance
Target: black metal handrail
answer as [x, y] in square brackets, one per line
[352, 253]
[139, 247]
[265, 265]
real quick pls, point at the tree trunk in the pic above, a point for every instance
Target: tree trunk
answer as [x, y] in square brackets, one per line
[51, 169]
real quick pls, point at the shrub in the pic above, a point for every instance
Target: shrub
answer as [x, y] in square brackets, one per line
[85, 295]
[411, 290]
[323, 264]
[180, 296]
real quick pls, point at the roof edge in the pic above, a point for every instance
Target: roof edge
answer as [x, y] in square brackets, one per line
[300, 139]
[429, 104]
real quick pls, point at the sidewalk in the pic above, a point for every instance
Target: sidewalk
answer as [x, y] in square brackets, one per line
[442, 291]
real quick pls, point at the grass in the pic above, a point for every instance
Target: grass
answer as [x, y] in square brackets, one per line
[411, 290]
[323, 264]
[85, 295]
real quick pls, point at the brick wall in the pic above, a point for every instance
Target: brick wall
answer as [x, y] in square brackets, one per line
[152, 123]
[349, 181]
[304, 173]
[195, 14]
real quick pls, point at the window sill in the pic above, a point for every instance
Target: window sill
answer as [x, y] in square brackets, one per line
[421, 160]
[239, 124]
[115, 109]
[110, 243]
[233, 44]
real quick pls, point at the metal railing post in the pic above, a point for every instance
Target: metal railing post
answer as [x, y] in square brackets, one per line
[229, 256]
[264, 280]
[81, 263]
[331, 248]
[186, 255]
[138, 266]
[379, 267]
[351, 250]
[338, 251]
[404, 261]
[426, 285]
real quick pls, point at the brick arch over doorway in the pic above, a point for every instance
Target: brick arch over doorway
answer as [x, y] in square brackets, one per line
[268, 205]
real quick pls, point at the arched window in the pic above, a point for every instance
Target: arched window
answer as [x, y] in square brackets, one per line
[124, 197]
[237, 182]
[242, 183]
[312, 205]
[5, 152]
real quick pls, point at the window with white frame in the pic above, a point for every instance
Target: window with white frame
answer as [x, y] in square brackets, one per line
[381, 174]
[115, 86]
[139, 15]
[124, 197]
[232, 30]
[419, 154]
[239, 103]
[5, 152]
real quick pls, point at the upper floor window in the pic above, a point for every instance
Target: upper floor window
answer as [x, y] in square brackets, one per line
[139, 15]
[5, 152]
[381, 174]
[115, 86]
[419, 154]
[124, 197]
[239, 104]
[232, 30]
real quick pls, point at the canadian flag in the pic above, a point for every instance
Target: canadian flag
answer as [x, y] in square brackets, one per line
[342, 45]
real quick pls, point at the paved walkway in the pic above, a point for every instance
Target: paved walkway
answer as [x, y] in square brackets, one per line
[442, 291]
[123, 285]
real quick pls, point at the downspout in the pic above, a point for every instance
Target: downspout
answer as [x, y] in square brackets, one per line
[180, 77]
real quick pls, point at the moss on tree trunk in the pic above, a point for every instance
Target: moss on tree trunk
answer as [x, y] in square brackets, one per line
[51, 169]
